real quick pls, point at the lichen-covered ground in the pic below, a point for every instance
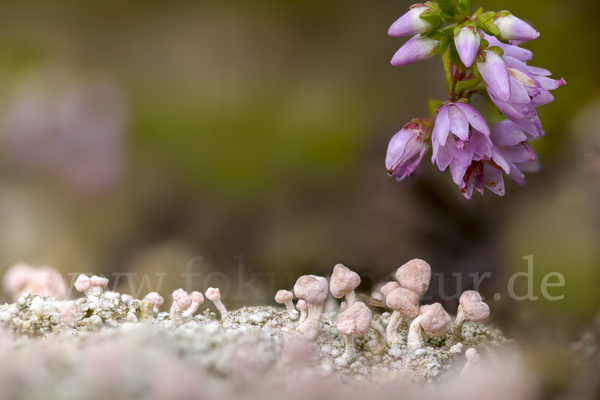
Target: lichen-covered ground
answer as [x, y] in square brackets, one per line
[97, 347]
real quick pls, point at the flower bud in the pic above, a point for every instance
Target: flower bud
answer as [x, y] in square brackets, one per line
[494, 72]
[406, 150]
[410, 23]
[467, 44]
[418, 48]
[513, 28]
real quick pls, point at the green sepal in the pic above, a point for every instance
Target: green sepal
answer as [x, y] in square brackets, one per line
[463, 86]
[433, 6]
[433, 106]
[503, 13]
[470, 92]
[434, 19]
[477, 13]
[492, 26]
[476, 70]
[485, 21]
[452, 10]
[444, 40]
[497, 50]
[485, 46]
[484, 17]
[449, 30]
[457, 28]
[447, 60]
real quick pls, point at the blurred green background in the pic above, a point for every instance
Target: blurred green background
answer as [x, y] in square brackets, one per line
[138, 135]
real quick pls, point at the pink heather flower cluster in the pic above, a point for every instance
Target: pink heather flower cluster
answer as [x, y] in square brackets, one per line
[484, 57]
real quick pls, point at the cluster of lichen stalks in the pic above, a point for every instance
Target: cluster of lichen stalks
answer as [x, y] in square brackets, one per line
[356, 319]
[372, 345]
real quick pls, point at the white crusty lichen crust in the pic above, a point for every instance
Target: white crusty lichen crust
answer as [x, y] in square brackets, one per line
[212, 343]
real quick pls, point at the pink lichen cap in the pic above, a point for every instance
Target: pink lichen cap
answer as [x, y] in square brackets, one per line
[360, 316]
[83, 283]
[155, 298]
[197, 297]
[472, 355]
[98, 281]
[388, 287]
[415, 275]
[346, 327]
[343, 281]
[283, 296]
[17, 277]
[435, 321]
[423, 309]
[404, 301]
[183, 300]
[46, 280]
[213, 294]
[473, 306]
[313, 289]
[301, 305]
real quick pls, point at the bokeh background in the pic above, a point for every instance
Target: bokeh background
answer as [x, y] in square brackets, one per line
[138, 136]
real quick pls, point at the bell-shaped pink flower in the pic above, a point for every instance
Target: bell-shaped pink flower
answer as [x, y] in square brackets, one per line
[478, 147]
[529, 88]
[406, 150]
[506, 133]
[522, 114]
[458, 118]
[512, 144]
[478, 176]
[511, 154]
[467, 44]
[460, 137]
[534, 81]
[418, 48]
[494, 72]
[410, 23]
[513, 28]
